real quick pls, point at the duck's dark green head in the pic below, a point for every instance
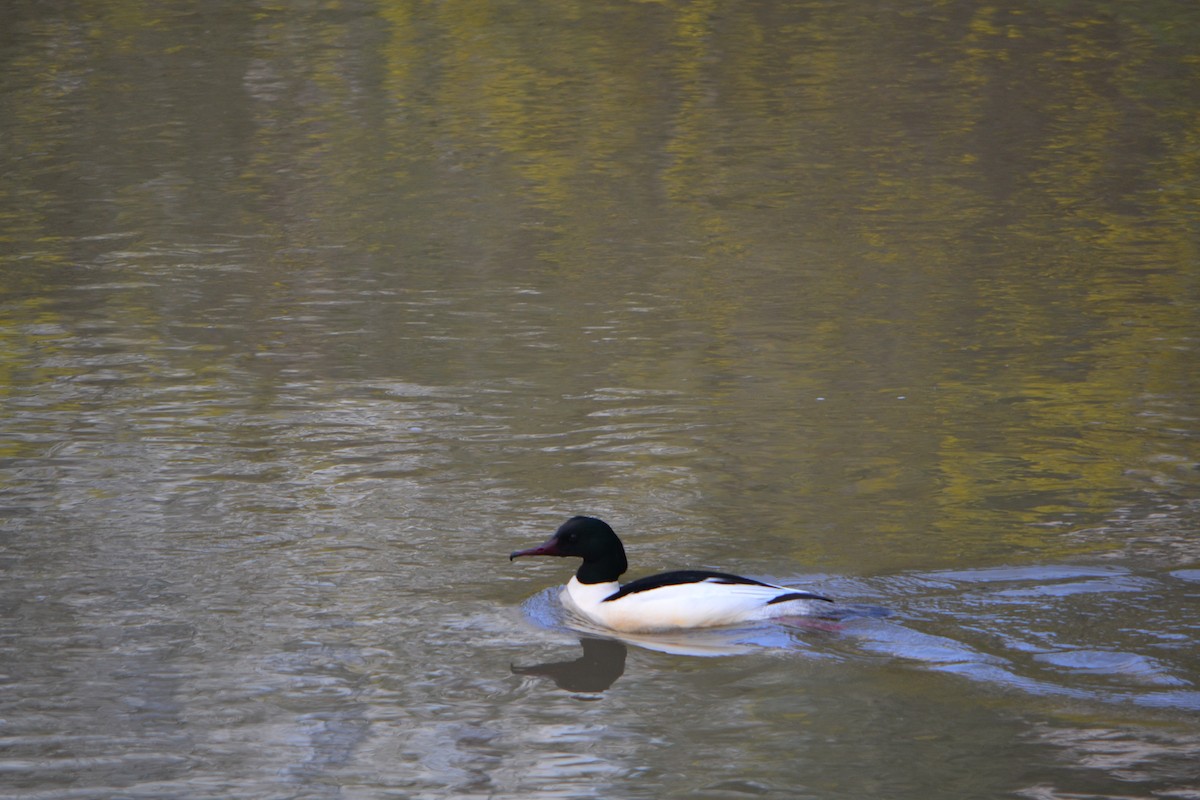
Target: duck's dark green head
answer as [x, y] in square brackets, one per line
[590, 539]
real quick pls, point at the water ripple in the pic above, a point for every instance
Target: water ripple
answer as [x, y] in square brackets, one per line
[975, 624]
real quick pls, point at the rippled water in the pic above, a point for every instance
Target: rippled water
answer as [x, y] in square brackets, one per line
[996, 627]
[310, 315]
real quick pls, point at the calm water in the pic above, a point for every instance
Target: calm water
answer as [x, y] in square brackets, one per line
[312, 313]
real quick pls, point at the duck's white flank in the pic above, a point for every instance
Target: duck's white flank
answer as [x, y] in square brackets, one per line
[700, 604]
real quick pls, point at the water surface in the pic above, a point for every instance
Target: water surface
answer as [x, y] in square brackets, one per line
[310, 314]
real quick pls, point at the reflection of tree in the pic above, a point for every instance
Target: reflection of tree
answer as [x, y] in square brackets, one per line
[983, 208]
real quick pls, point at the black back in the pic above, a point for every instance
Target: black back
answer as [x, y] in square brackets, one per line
[698, 575]
[679, 577]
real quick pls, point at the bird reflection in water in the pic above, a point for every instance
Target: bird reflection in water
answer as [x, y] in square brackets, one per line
[602, 663]
[603, 659]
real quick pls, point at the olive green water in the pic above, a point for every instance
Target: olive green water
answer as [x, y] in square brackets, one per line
[311, 313]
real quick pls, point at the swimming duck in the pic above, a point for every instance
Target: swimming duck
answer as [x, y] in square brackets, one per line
[664, 602]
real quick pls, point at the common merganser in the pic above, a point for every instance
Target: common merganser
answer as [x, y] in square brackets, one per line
[668, 601]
